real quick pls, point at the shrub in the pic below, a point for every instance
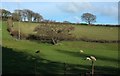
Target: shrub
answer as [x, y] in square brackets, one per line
[15, 34]
[10, 22]
[9, 29]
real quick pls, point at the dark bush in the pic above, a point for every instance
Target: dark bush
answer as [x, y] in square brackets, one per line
[10, 22]
[31, 37]
[15, 34]
[99, 41]
[9, 29]
[83, 23]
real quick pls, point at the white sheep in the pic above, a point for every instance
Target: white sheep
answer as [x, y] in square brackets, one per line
[93, 58]
[87, 58]
[81, 51]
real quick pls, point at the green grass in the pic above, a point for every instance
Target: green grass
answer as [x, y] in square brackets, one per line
[97, 32]
[81, 31]
[20, 54]
[25, 27]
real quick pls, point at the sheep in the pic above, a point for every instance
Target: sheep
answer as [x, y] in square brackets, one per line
[93, 58]
[81, 51]
[87, 58]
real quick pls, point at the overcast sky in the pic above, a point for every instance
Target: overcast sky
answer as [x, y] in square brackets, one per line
[106, 12]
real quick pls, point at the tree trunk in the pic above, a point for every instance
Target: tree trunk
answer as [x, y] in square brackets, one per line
[53, 41]
[24, 19]
[89, 23]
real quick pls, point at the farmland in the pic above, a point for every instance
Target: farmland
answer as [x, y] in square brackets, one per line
[81, 31]
[20, 54]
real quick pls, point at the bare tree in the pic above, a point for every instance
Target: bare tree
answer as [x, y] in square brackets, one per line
[89, 18]
[54, 33]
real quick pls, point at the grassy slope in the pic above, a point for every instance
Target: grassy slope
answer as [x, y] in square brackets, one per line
[99, 32]
[106, 54]
[91, 32]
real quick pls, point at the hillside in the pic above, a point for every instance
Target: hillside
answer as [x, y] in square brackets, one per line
[81, 31]
[20, 54]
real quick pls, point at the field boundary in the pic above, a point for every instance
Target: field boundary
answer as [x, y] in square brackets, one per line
[100, 41]
[80, 39]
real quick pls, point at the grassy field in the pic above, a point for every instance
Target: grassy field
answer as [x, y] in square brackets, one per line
[19, 55]
[98, 33]
[81, 31]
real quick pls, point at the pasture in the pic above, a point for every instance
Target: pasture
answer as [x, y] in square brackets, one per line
[19, 55]
[81, 31]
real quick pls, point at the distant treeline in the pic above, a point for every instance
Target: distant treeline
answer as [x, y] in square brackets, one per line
[27, 15]
[20, 15]
[51, 22]
[106, 25]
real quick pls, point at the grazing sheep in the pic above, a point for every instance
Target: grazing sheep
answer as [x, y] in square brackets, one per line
[87, 58]
[93, 58]
[81, 51]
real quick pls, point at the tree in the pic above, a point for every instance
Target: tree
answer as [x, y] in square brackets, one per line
[19, 14]
[24, 15]
[89, 18]
[66, 22]
[30, 14]
[37, 17]
[15, 17]
[4, 14]
[54, 33]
